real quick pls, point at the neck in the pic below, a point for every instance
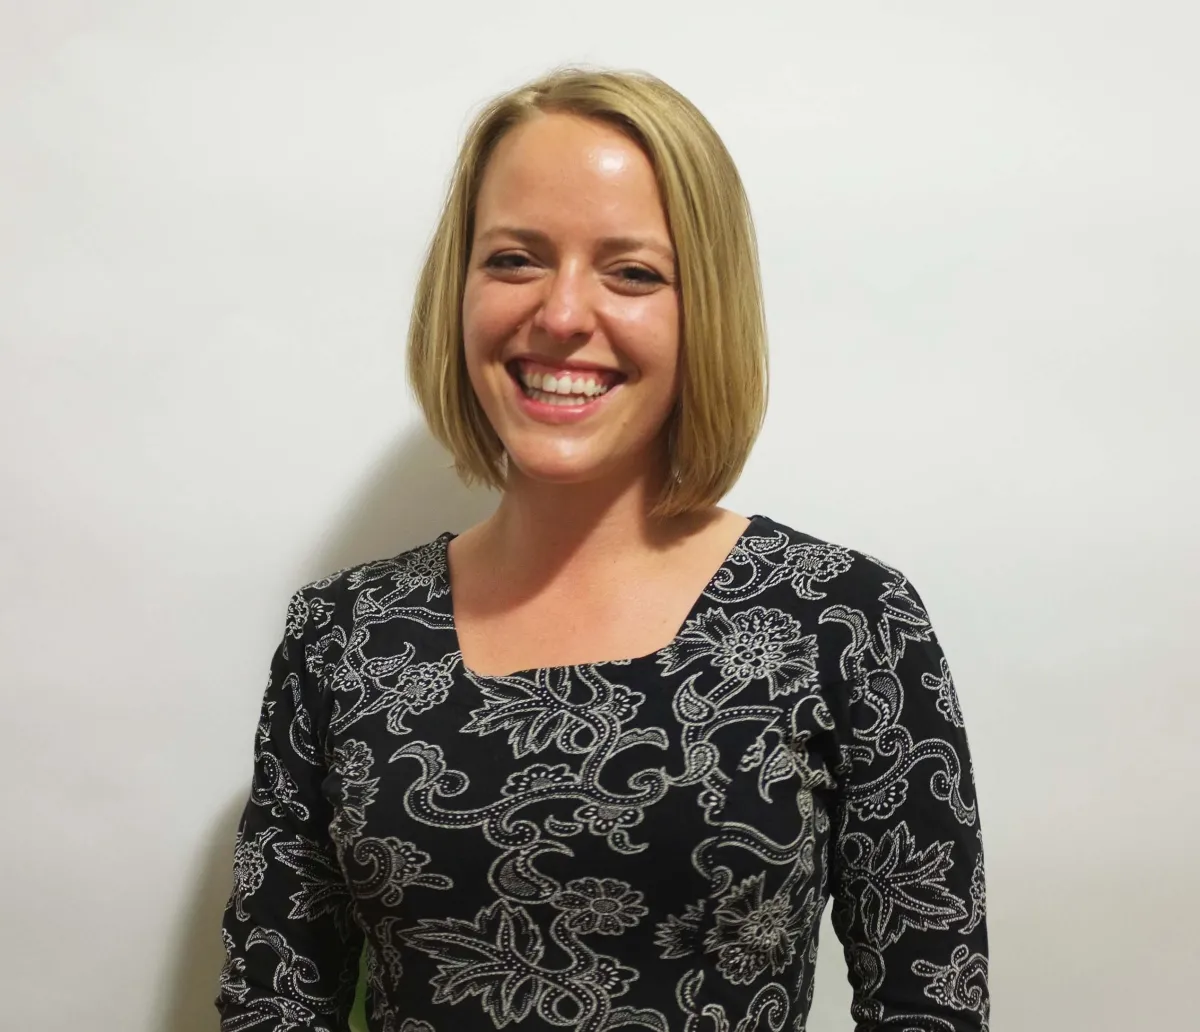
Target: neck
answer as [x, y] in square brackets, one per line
[542, 530]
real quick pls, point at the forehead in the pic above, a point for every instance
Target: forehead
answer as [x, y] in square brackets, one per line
[564, 165]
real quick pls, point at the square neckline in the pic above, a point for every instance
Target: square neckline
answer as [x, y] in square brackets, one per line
[535, 672]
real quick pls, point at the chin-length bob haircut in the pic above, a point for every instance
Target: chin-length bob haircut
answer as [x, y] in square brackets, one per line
[723, 358]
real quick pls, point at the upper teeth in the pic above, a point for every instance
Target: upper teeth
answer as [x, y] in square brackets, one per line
[563, 384]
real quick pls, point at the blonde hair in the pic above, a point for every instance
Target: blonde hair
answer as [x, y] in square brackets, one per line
[723, 388]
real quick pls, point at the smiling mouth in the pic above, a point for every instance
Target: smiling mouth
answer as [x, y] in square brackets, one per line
[567, 388]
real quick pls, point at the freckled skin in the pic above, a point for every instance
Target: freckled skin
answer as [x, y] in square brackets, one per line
[572, 261]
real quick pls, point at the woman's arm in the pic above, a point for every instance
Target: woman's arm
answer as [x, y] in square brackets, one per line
[291, 945]
[908, 881]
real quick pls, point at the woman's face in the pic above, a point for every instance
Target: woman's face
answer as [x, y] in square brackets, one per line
[570, 310]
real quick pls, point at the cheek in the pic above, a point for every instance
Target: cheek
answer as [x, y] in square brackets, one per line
[473, 319]
[490, 312]
[649, 333]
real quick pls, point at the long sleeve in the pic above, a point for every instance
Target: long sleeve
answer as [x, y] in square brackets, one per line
[908, 877]
[291, 944]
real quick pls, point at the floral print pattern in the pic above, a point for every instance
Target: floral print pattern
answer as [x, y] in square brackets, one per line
[753, 934]
[756, 644]
[639, 844]
[603, 905]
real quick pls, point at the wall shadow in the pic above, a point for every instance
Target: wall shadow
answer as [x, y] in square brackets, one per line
[410, 496]
[192, 979]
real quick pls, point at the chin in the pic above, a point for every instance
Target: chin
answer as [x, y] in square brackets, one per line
[551, 468]
[556, 472]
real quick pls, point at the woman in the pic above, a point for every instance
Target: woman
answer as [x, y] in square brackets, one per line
[599, 761]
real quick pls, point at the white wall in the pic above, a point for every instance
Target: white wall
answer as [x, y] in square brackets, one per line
[979, 227]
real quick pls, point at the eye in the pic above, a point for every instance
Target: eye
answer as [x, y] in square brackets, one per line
[508, 261]
[639, 275]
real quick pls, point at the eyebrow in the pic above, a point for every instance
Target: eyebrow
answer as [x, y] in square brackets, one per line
[608, 244]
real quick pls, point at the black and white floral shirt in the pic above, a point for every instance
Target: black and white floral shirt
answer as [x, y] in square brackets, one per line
[639, 844]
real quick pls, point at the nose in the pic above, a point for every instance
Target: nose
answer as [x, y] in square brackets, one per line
[566, 310]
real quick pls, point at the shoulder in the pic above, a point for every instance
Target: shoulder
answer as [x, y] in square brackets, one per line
[864, 607]
[420, 570]
[864, 615]
[818, 570]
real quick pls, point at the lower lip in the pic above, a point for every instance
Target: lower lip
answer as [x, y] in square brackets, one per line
[544, 412]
